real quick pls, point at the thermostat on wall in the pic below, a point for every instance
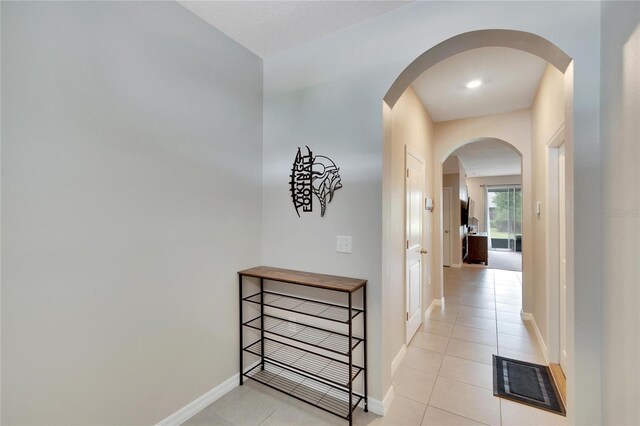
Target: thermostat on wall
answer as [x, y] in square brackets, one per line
[428, 204]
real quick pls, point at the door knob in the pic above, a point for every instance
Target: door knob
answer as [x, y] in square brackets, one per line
[446, 232]
[423, 251]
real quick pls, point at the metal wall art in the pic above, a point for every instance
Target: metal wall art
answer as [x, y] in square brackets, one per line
[313, 176]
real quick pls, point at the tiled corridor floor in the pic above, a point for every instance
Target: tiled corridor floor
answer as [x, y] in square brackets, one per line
[446, 376]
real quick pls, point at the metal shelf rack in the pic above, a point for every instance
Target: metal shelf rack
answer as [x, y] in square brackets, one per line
[309, 362]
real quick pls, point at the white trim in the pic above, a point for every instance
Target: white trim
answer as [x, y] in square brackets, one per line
[434, 303]
[409, 151]
[552, 250]
[198, 404]
[414, 153]
[439, 302]
[194, 407]
[381, 407]
[456, 265]
[441, 230]
[557, 138]
[543, 347]
[398, 359]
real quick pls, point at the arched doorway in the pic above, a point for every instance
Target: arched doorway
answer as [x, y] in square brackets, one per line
[519, 40]
[506, 181]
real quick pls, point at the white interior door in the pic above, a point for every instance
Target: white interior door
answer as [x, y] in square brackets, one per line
[563, 256]
[414, 199]
[446, 226]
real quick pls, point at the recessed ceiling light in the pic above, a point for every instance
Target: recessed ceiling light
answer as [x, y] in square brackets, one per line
[474, 83]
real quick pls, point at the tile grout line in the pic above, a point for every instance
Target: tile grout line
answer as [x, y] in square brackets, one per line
[440, 366]
[447, 411]
[497, 344]
[266, 418]
[445, 354]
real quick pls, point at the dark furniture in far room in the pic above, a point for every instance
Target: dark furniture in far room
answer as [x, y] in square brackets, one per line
[478, 248]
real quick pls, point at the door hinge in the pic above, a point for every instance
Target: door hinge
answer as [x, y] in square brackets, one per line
[407, 244]
[407, 172]
[407, 316]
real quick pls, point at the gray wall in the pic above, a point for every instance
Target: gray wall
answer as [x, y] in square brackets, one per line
[131, 194]
[328, 94]
[620, 211]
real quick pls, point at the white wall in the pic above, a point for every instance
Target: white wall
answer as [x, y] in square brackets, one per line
[328, 94]
[131, 195]
[620, 210]
[477, 186]
[412, 127]
[547, 119]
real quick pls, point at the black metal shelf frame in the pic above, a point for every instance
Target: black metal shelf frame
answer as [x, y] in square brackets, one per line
[332, 371]
[298, 371]
[304, 306]
[303, 333]
[325, 397]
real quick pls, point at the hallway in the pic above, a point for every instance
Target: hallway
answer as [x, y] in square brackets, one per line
[446, 376]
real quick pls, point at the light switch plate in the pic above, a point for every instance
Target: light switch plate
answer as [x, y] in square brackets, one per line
[343, 244]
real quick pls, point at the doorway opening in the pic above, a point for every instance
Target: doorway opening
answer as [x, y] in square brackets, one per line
[503, 210]
[446, 226]
[556, 258]
[482, 222]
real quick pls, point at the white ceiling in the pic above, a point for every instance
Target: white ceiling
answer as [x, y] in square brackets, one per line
[510, 79]
[270, 27]
[488, 157]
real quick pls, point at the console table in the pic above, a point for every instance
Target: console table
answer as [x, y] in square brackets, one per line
[478, 248]
[312, 360]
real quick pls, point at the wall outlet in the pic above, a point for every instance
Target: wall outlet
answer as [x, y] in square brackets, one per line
[343, 244]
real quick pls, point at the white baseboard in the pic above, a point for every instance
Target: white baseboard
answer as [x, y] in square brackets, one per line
[456, 265]
[381, 407]
[543, 346]
[397, 360]
[194, 407]
[198, 404]
[435, 303]
[526, 316]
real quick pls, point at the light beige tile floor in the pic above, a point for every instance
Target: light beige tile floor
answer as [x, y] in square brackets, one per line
[446, 376]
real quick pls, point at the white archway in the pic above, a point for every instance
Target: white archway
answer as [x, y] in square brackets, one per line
[449, 137]
[450, 149]
[520, 40]
[512, 129]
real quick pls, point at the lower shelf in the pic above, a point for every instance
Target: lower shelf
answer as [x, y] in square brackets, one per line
[329, 369]
[323, 396]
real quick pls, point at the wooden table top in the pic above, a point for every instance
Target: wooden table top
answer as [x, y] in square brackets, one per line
[327, 282]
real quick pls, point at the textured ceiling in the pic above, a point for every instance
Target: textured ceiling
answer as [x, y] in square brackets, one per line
[269, 27]
[510, 79]
[488, 157]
